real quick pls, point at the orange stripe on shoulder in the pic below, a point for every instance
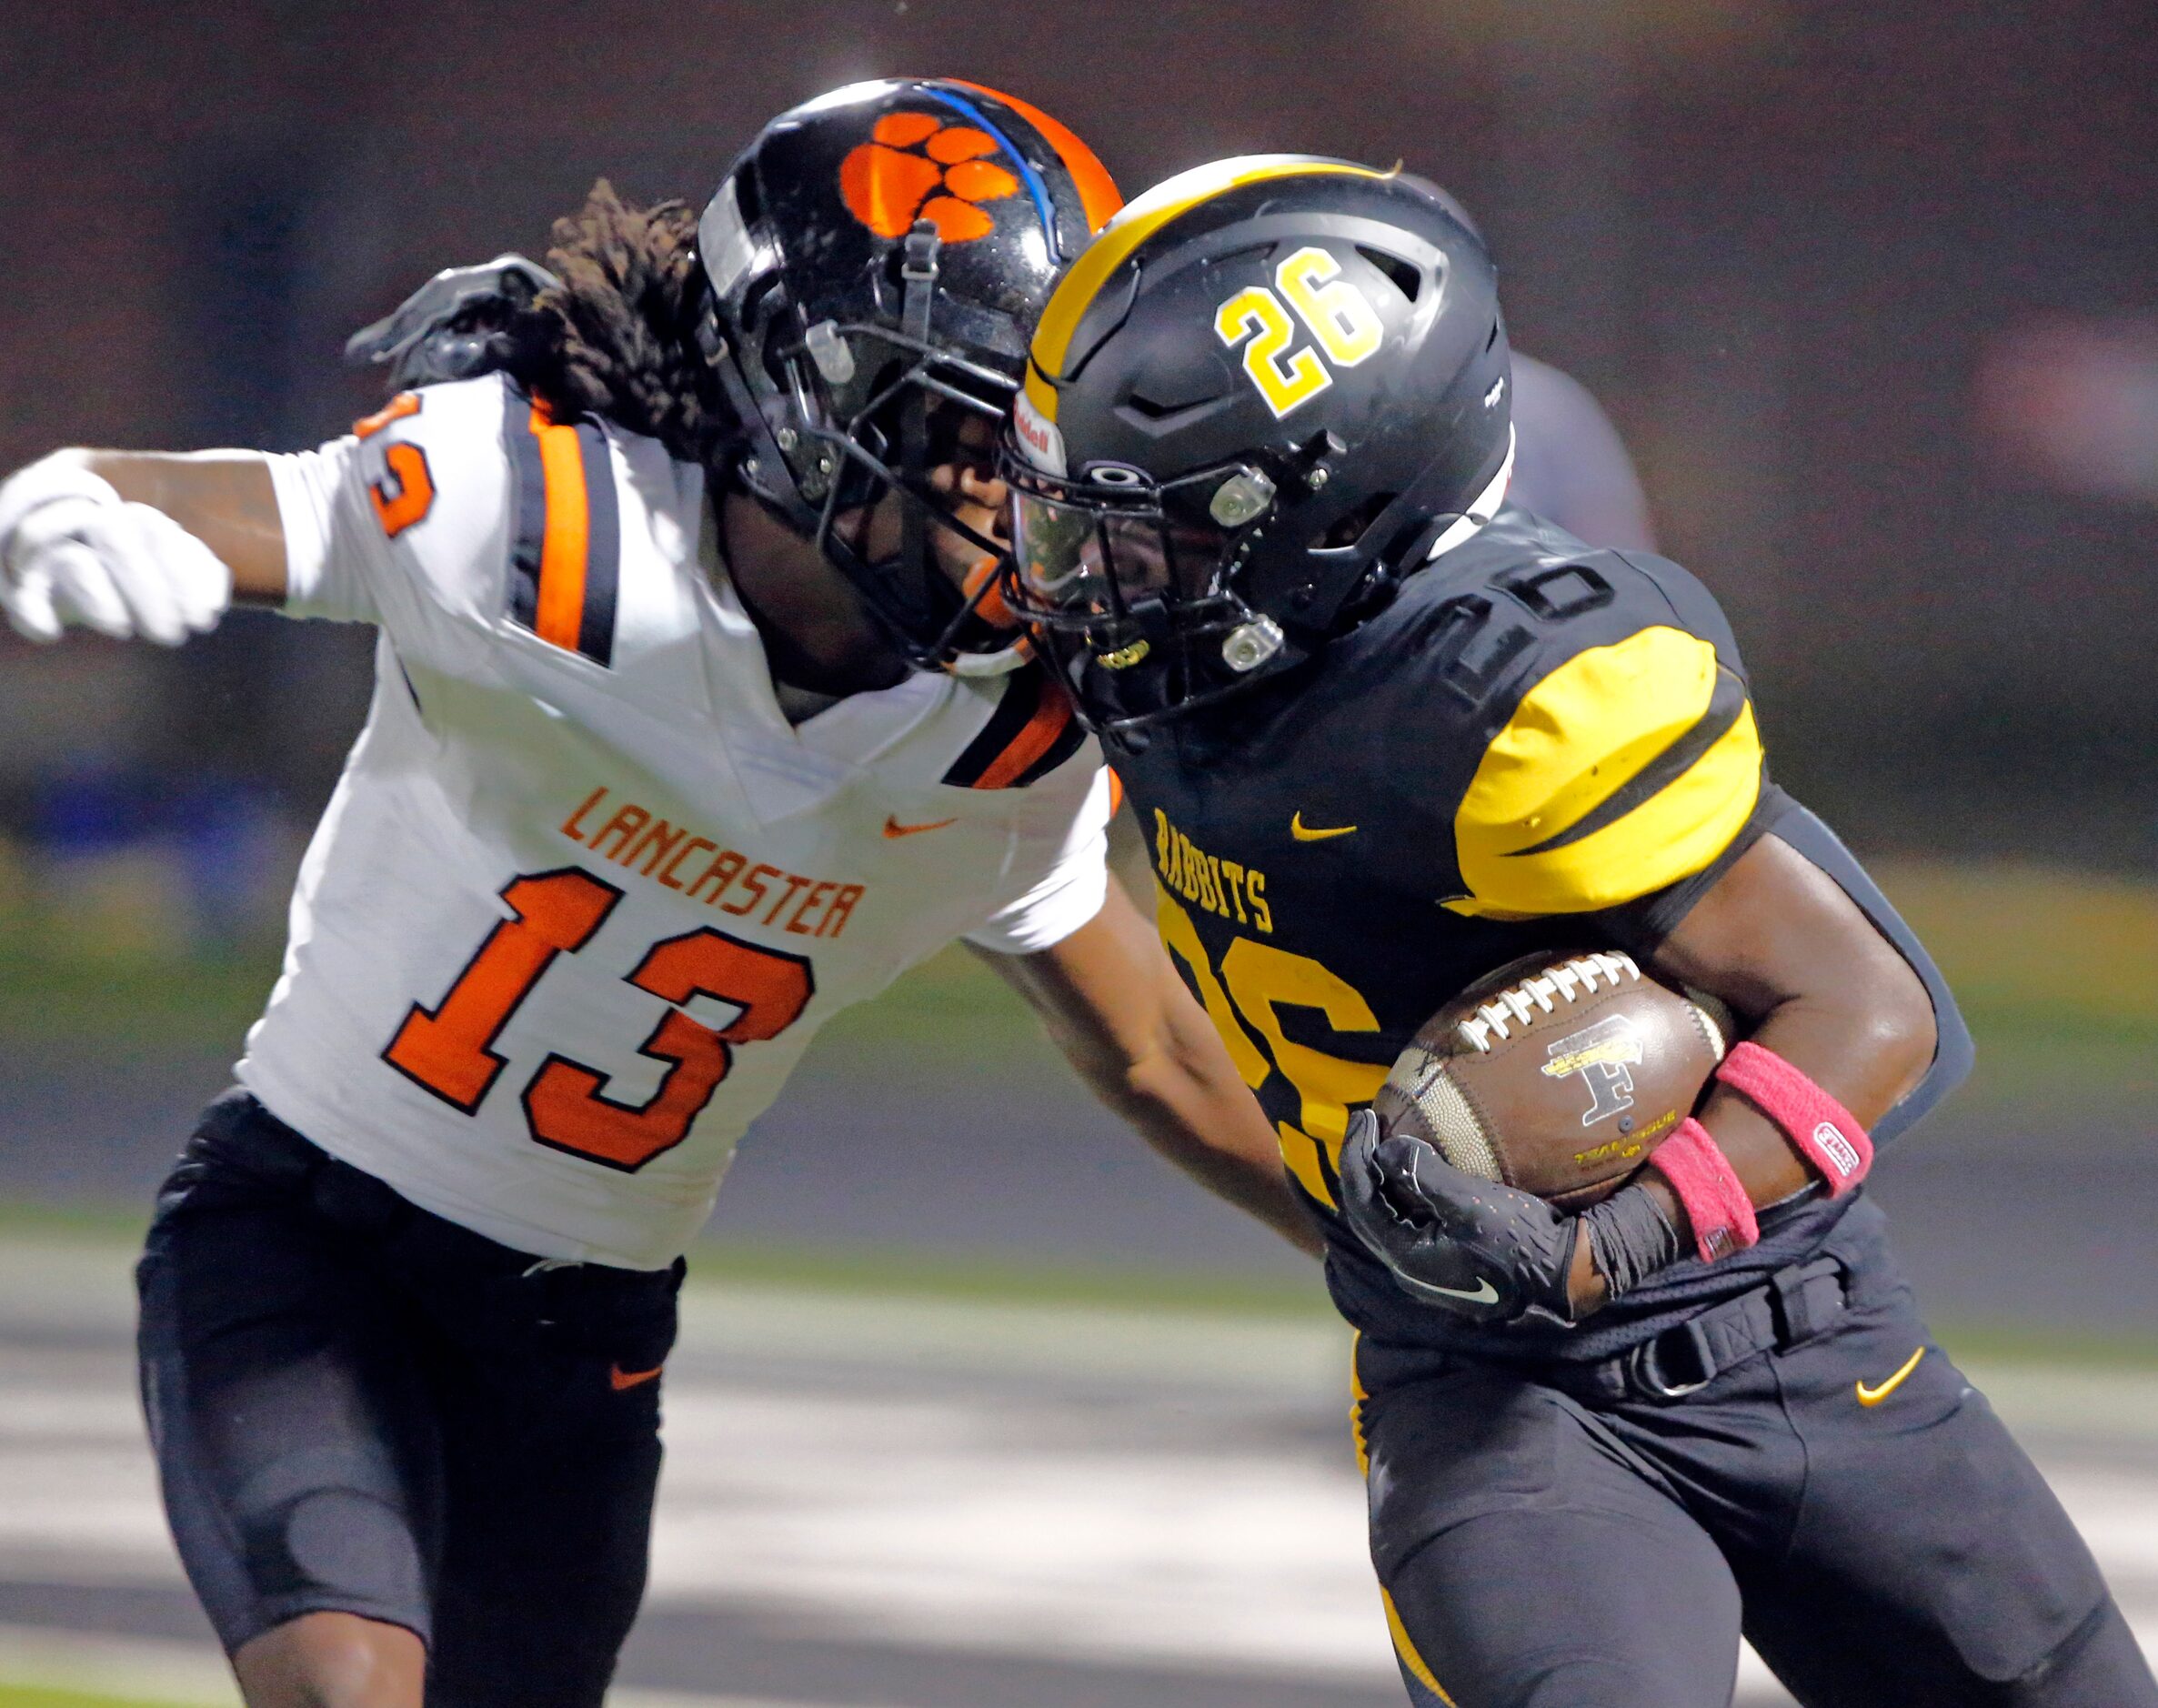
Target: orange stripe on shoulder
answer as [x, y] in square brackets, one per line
[980, 585]
[403, 403]
[560, 608]
[1052, 717]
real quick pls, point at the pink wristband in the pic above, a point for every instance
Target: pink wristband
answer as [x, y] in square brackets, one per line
[1716, 1205]
[1819, 1128]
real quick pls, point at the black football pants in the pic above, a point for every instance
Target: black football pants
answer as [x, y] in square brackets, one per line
[359, 1407]
[1543, 1550]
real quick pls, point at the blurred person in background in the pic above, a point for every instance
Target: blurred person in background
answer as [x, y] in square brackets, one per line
[1570, 464]
[1569, 467]
[696, 718]
[1398, 739]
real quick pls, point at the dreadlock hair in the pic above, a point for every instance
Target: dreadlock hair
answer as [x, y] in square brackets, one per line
[616, 337]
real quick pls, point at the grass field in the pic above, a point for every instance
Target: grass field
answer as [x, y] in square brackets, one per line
[2052, 970]
[49, 1669]
[33, 1696]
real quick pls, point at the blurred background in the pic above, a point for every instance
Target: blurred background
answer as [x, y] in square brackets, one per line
[1870, 294]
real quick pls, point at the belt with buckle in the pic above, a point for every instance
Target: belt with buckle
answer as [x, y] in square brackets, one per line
[1793, 1305]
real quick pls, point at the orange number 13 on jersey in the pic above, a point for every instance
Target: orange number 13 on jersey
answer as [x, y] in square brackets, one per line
[448, 1050]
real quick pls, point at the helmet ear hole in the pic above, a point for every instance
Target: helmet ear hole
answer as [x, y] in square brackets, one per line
[754, 299]
[1408, 279]
[1349, 530]
[754, 327]
[775, 366]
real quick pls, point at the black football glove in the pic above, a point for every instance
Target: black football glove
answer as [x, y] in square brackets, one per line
[451, 327]
[1487, 1251]
[1482, 1250]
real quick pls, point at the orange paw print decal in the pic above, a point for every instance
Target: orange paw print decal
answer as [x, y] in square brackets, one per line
[919, 167]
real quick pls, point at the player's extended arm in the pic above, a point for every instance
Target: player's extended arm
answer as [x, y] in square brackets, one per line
[224, 498]
[1817, 985]
[1115, 1006]
[142, 543]
[1778, 940]
[137, 542]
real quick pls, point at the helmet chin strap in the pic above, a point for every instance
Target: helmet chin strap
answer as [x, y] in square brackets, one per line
[771, 483]
[984, 664]
[1481, 508]
[918, 271]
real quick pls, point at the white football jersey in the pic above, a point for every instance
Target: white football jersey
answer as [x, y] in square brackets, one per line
[583, 895]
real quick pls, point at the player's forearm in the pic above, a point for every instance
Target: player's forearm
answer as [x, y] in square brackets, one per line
[1814, 982]
[1212, 1129]
[225, 498]
[1180, 1093]
[1866, 1059]
[1112, 1003]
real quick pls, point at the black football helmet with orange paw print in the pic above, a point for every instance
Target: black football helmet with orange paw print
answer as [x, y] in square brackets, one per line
[878, 258]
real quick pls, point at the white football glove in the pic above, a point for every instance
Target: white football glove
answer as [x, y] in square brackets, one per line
[71, 551]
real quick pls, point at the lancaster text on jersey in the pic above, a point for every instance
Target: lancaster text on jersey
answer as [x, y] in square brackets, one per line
[633, 837]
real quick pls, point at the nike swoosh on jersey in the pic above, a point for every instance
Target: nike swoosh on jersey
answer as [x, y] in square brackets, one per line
[893, 827]
[622, 1381]
[1874, 1396]
[1305, 833]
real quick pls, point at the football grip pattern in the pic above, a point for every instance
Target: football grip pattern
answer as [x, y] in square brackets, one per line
[1455, 1126]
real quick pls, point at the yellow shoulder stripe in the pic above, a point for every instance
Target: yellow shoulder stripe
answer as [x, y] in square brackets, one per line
[1139, 220]
[1627, 767]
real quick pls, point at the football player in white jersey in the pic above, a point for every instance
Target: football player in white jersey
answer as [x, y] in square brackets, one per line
[693, 723]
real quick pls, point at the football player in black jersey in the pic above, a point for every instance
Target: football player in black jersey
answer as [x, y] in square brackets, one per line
[1388, 733]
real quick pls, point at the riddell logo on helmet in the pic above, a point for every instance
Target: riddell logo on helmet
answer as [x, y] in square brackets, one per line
[919, 167]
[1044, 443]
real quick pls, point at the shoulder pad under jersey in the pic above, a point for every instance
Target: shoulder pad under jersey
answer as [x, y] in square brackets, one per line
[1616, 748]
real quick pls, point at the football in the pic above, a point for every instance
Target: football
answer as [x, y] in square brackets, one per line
[1558, 1073]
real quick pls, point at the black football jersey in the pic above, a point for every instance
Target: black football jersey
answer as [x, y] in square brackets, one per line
[1536, 746]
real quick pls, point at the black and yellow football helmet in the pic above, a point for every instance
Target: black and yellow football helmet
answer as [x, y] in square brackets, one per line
[1272, 385]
